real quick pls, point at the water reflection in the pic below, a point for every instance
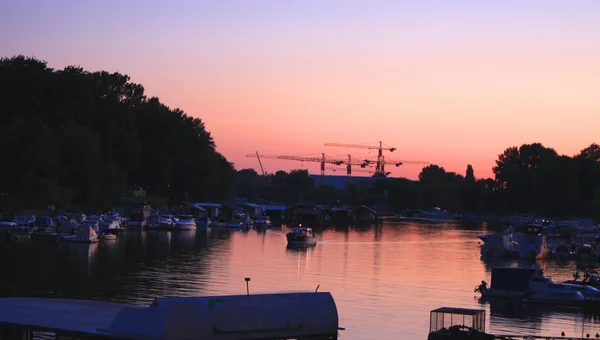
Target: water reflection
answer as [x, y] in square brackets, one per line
[385, 278]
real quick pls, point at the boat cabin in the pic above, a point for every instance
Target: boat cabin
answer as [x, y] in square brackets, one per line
[303, 231]
[457, 323]
[185, 217]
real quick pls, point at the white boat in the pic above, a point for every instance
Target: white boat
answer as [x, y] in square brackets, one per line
[484, 238]
[92, 221]
[85, 234]
[111, 223]
[531, 242]
[500, 245]
[262, 222]
[185, 222]
[530, 285]
[166, 221]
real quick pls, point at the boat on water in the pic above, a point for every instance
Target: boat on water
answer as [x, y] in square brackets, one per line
[166, 221]
[262, 222]
[111, 224]
[185, 222]
[301, 236]
[265, 316]
[500, 244]
[92, 221]
[530, 285]
[84, 234]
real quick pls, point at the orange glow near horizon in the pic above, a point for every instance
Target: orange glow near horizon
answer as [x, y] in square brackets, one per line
[448, 84]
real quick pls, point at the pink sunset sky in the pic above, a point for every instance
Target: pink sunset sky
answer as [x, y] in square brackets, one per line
[452, 83]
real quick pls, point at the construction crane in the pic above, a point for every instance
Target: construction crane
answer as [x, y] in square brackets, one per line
[323, 159]
[380, 162]
[260, 163]
[349, 161]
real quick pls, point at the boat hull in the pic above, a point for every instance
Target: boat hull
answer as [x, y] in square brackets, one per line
[300, 239]
[185, 227]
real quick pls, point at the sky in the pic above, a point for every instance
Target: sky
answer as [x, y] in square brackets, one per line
[447, 82]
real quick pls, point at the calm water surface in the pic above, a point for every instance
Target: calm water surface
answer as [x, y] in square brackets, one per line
[384, 279]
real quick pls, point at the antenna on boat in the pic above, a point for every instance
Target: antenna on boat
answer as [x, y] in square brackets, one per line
[317, 288]
[247, 287]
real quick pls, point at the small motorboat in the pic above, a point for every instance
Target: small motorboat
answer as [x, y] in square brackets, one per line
[185, 222]
[301, 236]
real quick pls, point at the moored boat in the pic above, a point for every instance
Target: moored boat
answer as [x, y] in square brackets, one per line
[107, 237]
[530, 285]
[301, 236]
[85, 234]
[262, 222]
[185, 222]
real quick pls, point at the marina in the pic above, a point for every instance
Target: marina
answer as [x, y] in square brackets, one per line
[406, 269]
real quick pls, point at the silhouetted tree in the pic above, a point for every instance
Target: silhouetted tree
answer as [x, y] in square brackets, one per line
[82, 137]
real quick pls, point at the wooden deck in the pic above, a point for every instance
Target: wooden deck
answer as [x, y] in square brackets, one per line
[73, 316]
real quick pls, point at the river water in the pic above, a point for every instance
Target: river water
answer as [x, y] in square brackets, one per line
[385, 279]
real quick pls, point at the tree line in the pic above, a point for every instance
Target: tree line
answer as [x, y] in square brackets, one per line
[531, 178]
[74, 137]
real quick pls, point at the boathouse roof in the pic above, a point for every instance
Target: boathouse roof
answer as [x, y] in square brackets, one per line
[208, 205]
[266, 316]
[77, 316]
[462, 311]
[274, 207]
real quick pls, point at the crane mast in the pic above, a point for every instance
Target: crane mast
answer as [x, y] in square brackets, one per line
[260, 163]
